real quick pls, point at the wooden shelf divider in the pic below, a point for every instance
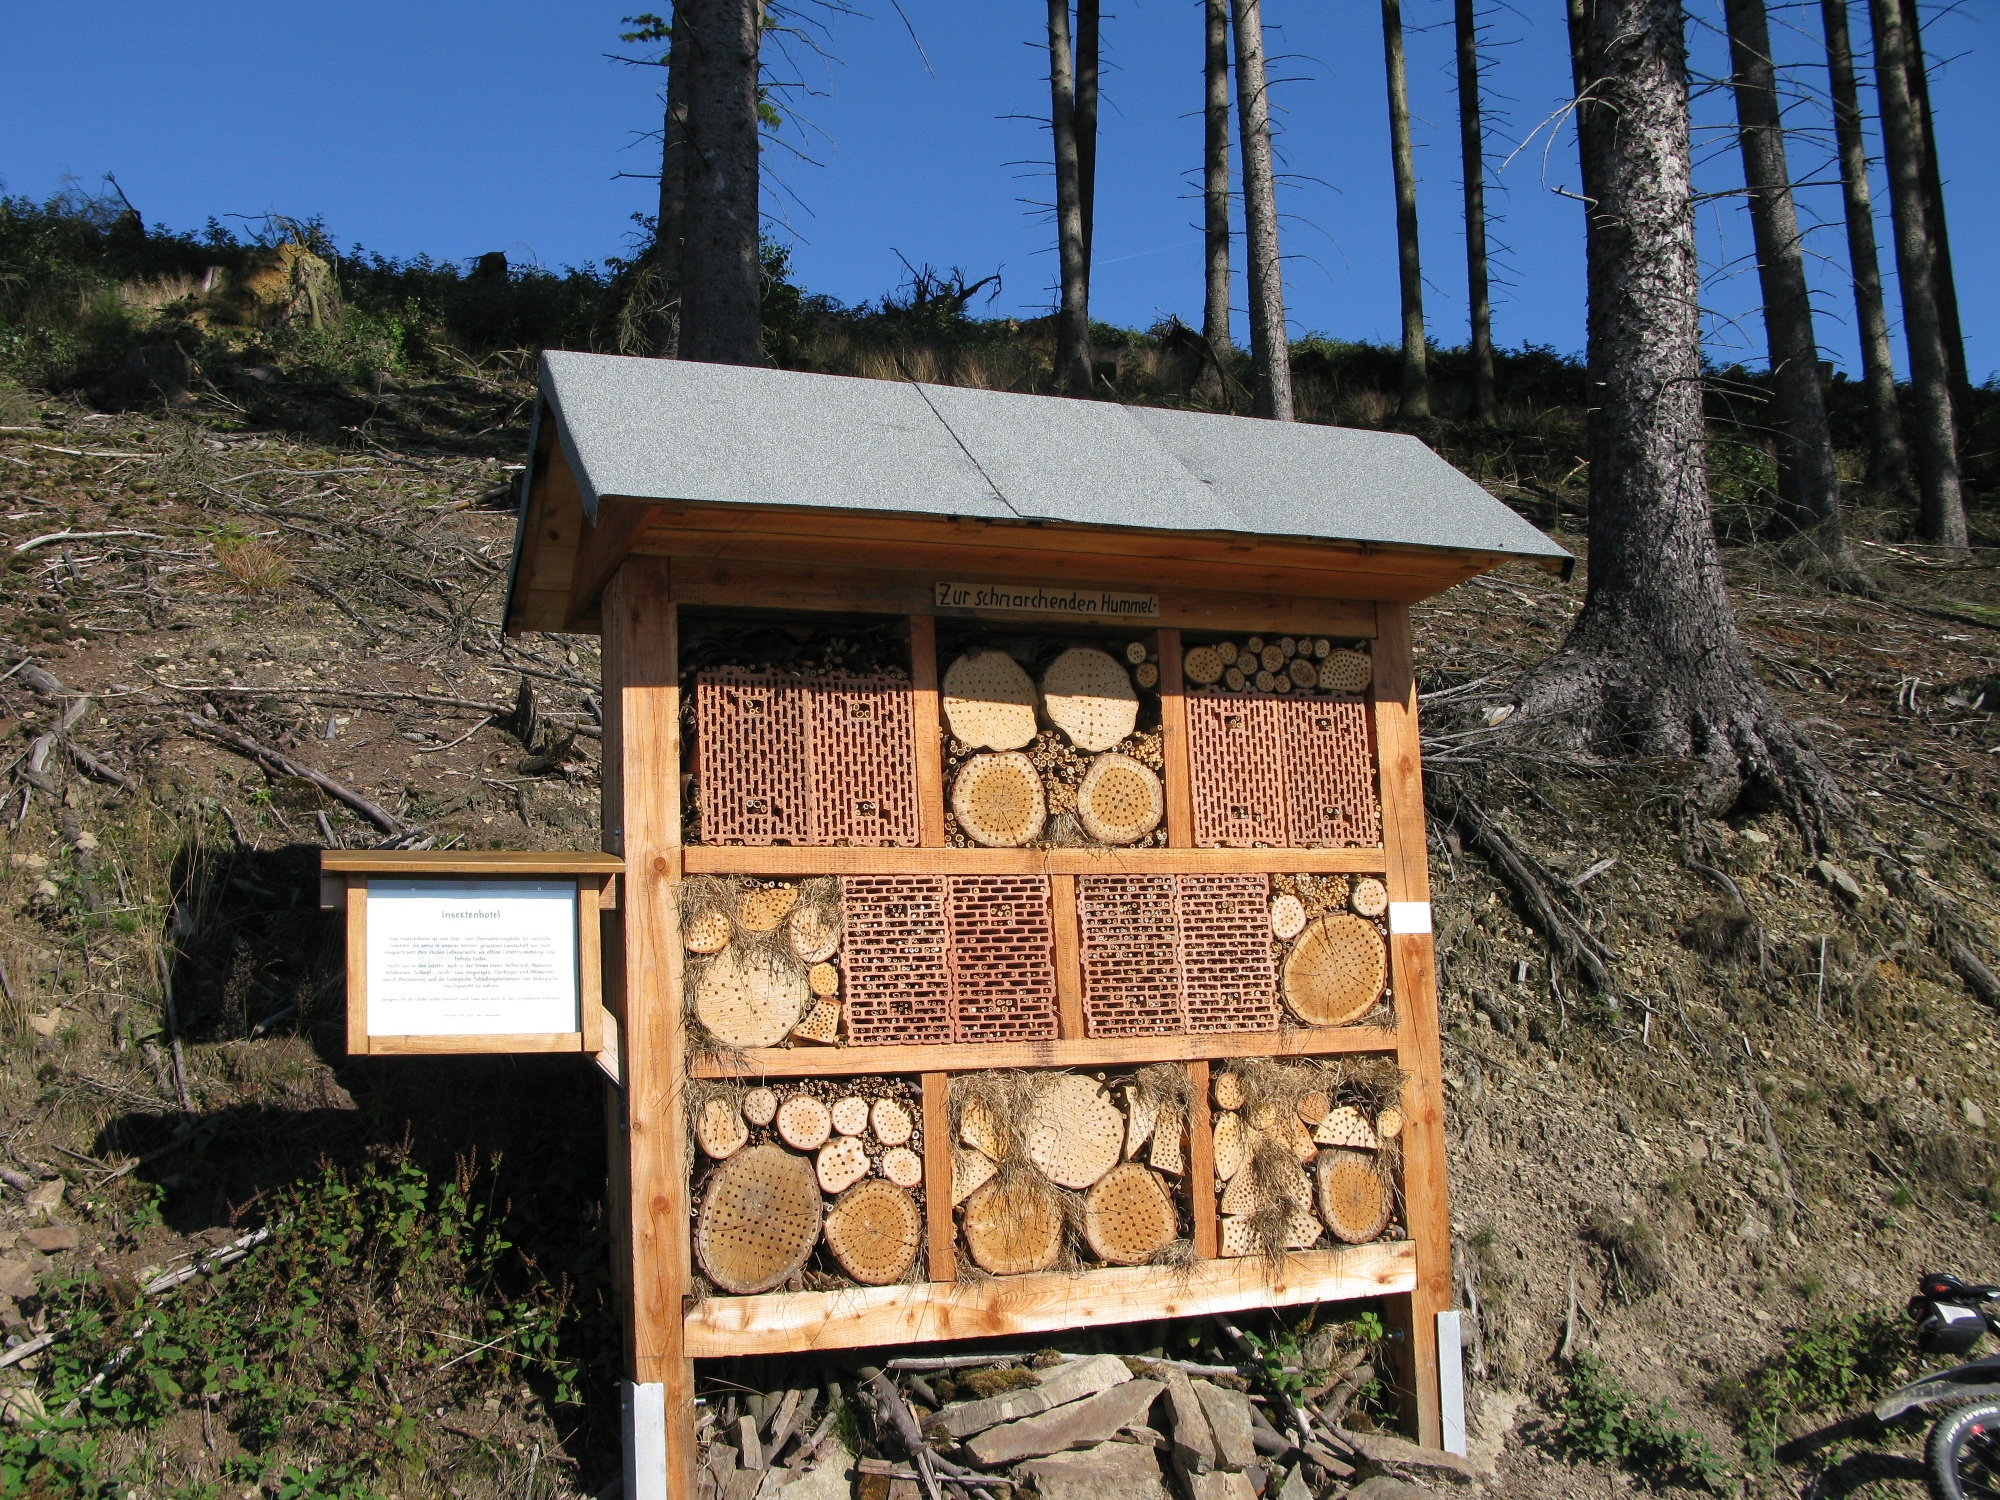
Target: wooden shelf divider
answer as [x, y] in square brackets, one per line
[793, 859]
[941, 1247]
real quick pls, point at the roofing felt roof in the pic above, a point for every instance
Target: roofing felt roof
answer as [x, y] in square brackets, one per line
[669, 430]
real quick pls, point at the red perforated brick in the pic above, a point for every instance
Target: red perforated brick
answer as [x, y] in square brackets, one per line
[1233, 767]
[896, 956]
[861, 762]
[750, 761]
[1329, 768]
[1131, 963]
[1229, 978]
[1003, 972]
[805, 760]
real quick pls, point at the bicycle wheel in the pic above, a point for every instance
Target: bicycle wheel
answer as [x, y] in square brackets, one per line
[1962, 1455]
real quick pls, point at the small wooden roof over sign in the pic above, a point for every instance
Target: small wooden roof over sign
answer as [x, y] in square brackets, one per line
[826, 492]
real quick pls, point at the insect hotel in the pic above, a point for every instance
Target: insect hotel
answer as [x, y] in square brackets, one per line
[1023, 920]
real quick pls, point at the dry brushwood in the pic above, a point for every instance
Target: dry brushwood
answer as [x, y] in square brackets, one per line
[842, 1162]
[759, 1220]
[873, 1231]
[1075, 1133]
[1089, 696]
[998, 800]
[1014, 1224]
[804, 1122]
[719, 1128]
[850, 1115]
[1536, 887]
[989, 701]
[1354, 1197]
[891, 1121]
[1129, 1217]
[902, 1166]
[1335, 972]
[1120, 800]
[748, 1002]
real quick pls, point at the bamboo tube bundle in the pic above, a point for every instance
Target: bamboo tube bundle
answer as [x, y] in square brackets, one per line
[1354, 1196]
[1335, 972]
[989, 701]
[1089, 696]
[744, 1000]
[873, 1231]
[998, 800]
[759, 1220]
[1128, 1216]
[1120, 800]
[1014, 1224]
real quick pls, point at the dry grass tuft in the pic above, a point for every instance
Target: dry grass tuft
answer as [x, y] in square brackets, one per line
[253, 564]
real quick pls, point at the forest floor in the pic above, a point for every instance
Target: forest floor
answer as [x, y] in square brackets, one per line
[1721, 1189]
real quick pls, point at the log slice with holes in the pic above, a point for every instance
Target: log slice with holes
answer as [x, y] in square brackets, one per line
[1227, 1089]
[748, 1002]
[1089, 696]
[989, 701]
[1120, 800]
[1203, 665]
[1128, 1217]
[842, 1162]
[891, 1120]
[1013, 1226]
[902, 1166]
[850, 1115]
[970, 1171]
[1232, 1145]
[759, 1220]
[1344, 671]
[706, 932]
[823, 980]
[1370, 897]
[1335, 972]
[1354, 1197]
[874, 1231]
[760, 1106]
[814, 933]
[719, 1129]
[804, 1123]
[762, 908]
[998, 800]
[820, 1024]
[1288, 917]
[1346, 1127]
[1075, 1133]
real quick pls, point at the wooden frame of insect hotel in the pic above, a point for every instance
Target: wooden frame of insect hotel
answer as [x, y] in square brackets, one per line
[1019, 804]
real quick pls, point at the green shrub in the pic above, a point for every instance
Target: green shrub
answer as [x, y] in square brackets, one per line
[1603, 1422]
[1828, 1366]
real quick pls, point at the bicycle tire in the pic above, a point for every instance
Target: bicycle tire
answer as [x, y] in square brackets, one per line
[1962, 1454]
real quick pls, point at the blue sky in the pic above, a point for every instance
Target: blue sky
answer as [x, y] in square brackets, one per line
[454, 129]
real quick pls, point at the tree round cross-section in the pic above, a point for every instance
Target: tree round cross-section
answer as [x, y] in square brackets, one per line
[1128, 1217]
[1075, 1132]
[706, 932]
[1346, 1127]
[760, 1106]
[1354, 1196]
[1288, 917]
[1304, 674]
[989, 701]
[823, 980]
[814, 932]
[891, 1121]
[759, 1220]
[1089, 696]
[1345, 671]
[842, 1162]
[850, 1115]
[902, 1166]
[763, 907]
[1120, 800]
[874, 1231]
[1203, 665]
[748, 1002]
[804, 1122]
[998, 800]
[1336, 971]
[1013, 1225]
[1370, 897]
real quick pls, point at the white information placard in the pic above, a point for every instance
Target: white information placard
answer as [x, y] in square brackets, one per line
[471, 957]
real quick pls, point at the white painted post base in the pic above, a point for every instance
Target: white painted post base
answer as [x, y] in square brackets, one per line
[642, 1421]
[1451, 1382]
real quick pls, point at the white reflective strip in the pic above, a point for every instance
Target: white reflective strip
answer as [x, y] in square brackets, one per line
[1409, 916]
[643, 1409]
[1451, 1382]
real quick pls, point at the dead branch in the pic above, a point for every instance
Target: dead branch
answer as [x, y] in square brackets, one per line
[1536, 888]
[284, 765]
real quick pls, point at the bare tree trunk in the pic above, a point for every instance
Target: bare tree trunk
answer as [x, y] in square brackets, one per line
[1073, 316]
[1808, 483]
[1946, 288]
[1270, 346]
[1472, 158]
[1940, 504]
[1215, 189]
[664, 327]
[1086, 123]
[1654, 665]
[1409, 262]
[721, 295]
[1888, 458]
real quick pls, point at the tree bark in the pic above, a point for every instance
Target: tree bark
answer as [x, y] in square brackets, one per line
[1945, 283]
[1472, 158]
[1940, 504]
[1073, 313]
[664, 326]
[1409, 261]
[1087, 23]
[1270, 346]
[1888, 458]
[721, 289]
[1654, 665]
[1808, 484]
[1215, 189]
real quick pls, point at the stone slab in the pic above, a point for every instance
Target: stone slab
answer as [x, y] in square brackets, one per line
[1079, 1424]
[1110, 1471]
[1058, 1387]
[1194, 1444]
[1228, 1414]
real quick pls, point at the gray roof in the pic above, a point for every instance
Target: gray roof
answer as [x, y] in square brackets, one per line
[655, 429]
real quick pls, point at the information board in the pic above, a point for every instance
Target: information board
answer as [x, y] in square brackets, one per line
[471, 957]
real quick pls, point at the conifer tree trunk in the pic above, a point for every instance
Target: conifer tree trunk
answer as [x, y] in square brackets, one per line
[1215, 189]
[664, 327]
[1270, 346]
[1409, 261]
[1073, 313]
[1888, 458]
[721, 288]
[1654, 665]
[1940, 505]
[1472, 157]
[1087, 18]
[1946, 289]
[1808, 484]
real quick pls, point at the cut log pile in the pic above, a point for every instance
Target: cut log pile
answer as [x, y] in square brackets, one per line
[798, 1165]
[763, 960]
[1332, 946]
[1279, 664]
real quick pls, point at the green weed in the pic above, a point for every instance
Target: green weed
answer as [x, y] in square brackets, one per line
[1603, 1422]
[1828, 1366]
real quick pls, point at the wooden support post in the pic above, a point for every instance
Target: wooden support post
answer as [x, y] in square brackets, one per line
[924, 709]
[1201, 1163]
[1173, 741]
[941, 1256]
[1413, 973]
[357, 962]
[642, 814]
[1068, 931]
